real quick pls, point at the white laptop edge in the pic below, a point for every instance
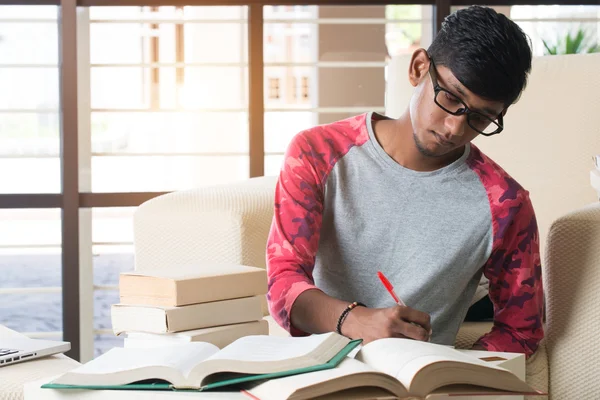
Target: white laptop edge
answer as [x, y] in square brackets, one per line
[30, 349]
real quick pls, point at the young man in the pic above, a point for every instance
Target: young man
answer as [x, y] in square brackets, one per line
[414, 198]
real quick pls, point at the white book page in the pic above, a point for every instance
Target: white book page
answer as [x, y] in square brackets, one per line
[195, 271]
[282, 388]
[403, 358]
[181, 357]
[261, 348]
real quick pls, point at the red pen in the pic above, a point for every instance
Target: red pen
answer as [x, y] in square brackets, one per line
[390, 288]
[396, 298]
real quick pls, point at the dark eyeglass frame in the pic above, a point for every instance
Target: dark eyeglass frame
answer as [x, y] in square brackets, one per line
[464, 110]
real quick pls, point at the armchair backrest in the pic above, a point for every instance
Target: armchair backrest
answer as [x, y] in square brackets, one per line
[572, 285]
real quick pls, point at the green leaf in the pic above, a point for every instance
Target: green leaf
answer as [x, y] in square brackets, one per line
[574, 42]
[594, 49]
[578, 42]
[549, 50]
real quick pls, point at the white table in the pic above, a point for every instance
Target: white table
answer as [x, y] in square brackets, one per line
[34, 392]
[13, 377]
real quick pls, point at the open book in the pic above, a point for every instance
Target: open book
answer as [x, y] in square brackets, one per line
[203, 366]
[402, 367]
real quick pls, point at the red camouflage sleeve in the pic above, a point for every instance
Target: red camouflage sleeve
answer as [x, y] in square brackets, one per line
[513, 269]
[299, 202]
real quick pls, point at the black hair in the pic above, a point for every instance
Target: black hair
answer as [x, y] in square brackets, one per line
[487, 52]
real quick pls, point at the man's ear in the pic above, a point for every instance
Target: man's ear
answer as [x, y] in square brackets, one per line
[504, 112]
[418, 67]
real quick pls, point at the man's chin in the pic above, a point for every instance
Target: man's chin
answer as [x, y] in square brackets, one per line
[430, 149]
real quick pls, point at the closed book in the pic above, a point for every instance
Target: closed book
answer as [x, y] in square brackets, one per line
[191, 284]
[220, 336]
[162, 319]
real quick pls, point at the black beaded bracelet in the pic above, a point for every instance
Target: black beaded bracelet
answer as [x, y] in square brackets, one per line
[344, 314]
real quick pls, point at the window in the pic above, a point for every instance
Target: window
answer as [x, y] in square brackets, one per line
[164, 131]
[552, 24]
[29, 120]
[30, 239]
[274, 93]
[30, 265]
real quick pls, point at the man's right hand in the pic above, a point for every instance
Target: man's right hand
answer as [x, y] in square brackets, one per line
[371, 324]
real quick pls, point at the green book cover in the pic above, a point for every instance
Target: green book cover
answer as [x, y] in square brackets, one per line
[334, 362]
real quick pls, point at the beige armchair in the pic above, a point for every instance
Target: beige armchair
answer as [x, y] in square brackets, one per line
[550, 133]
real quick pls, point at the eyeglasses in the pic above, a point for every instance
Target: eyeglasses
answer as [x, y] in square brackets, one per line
[452, 104]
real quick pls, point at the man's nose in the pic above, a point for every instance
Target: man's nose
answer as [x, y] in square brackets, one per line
[456, 124]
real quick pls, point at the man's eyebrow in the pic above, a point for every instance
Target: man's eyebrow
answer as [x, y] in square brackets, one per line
[459, 89]
[490, 112]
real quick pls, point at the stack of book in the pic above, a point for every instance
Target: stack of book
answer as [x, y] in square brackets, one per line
[211, 303]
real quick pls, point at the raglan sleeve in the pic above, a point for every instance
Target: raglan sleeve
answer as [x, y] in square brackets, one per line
[515, 281]
[295, 230]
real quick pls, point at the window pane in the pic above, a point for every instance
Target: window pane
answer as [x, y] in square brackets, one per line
[115, 13]
[29, 12]
[159, 173]
[290, 86]
[27, 43]
[410, 28]
[203, 87]
[105, 342]
[29, 148]
[185, 132]
[215, 87]
[289, 12]
[30, 175]
[33, 227]
[29, 133]
[215, 12]
[29, 88]
[290, 42]
[110, 227]
[273, 165]
[108, 264]
[228, 42]
[131, 84]
[30, 257]
[32, 312]
[280, 127]
[130, 49]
